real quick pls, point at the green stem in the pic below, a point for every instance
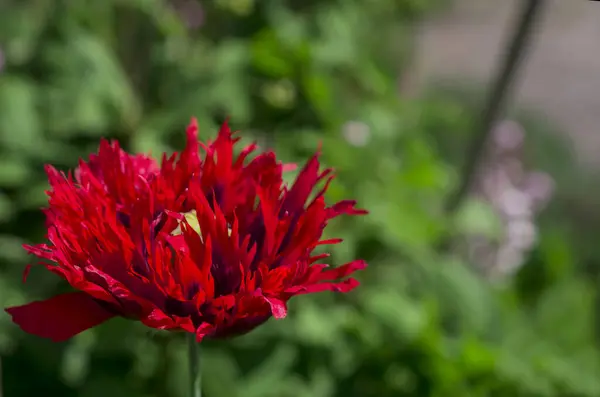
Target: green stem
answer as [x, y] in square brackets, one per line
[194, 366]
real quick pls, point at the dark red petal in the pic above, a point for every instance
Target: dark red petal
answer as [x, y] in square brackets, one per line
[61, 317]
[340, 272]
[303, 186]
[331, 241]
[205, 329]
[346, 207]
[159, 320]
[343, 287]
[320, 278]
[278, 307]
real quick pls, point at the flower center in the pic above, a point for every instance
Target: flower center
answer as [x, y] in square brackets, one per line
[192, 220]
[191, 217]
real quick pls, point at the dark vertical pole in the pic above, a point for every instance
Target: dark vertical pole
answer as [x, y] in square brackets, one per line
[516, 47]
[1, 376]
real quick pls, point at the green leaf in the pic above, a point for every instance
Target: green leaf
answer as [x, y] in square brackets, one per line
[14, 171]
[107, 96]
[268, 56]
[20, 126]
[405, 316]
[477, 217]
[6, 208]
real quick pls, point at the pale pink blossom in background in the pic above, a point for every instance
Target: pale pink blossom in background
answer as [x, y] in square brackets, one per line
[356, 133]
[516, 195]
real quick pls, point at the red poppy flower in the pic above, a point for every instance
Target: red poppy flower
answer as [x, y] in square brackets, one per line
[213, 246]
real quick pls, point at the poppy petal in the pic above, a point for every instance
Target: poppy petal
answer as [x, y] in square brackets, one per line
[61, 317]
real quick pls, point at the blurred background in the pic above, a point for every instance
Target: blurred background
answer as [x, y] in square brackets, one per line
[483, 279]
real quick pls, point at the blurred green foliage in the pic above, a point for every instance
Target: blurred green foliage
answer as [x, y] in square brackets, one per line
[290, 73]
